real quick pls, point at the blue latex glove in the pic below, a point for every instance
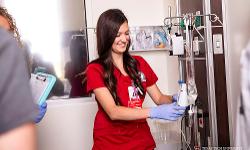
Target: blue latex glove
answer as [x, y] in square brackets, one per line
[167, 111]
[42, 111]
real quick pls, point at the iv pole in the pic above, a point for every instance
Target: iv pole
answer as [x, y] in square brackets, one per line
[210, 73]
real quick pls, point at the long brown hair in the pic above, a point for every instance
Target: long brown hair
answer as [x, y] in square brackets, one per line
[107, 27]
[13, 28]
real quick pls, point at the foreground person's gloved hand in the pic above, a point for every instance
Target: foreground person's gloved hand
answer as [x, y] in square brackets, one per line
[42, 111]
[167, 111]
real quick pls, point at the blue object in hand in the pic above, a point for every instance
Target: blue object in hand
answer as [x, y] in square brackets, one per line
[167, 111]
[42, 111]
[175, 97]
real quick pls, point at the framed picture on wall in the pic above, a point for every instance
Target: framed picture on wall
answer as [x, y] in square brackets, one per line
[149, 38]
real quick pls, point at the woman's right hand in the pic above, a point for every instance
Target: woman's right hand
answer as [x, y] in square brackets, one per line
[167, 111]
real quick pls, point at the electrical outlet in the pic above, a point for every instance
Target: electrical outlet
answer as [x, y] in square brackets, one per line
[196, 45]
[218, 44]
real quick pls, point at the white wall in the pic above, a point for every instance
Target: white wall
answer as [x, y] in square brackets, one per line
[72, 15]
[237, 33]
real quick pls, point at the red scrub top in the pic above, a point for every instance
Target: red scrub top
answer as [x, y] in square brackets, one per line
[121, 135]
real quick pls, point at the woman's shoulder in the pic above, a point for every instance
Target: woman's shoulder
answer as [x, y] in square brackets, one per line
[94, 66]
[140, 59]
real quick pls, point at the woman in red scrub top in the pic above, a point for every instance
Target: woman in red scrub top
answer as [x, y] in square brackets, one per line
[120, 82]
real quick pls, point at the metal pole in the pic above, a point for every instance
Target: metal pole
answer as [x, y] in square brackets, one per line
[180, 62]
[210, 76]
[178, 13]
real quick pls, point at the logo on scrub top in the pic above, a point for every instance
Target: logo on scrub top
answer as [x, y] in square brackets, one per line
[142, 76]
[134, 98]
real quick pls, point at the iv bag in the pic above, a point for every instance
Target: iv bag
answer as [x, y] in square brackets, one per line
[191, 86]
[190, 80]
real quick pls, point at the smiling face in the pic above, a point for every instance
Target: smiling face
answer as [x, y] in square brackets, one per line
[122, 39]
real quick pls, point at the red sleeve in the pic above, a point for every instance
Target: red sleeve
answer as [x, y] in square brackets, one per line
[94, 76]
[151, 77]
